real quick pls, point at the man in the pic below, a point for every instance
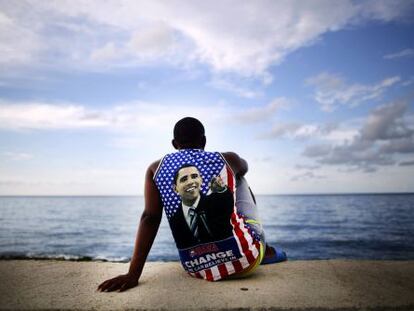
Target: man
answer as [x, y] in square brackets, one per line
[189, 140]
[201, 218]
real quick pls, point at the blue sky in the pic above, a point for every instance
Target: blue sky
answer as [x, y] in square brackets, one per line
[317, 96]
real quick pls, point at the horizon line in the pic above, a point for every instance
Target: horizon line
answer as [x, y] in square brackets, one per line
[257, 194]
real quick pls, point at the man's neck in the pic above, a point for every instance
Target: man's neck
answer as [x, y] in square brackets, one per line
[192, 202]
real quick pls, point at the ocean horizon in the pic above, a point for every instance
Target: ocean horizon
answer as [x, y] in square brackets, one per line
[257, 194]
[307, 226]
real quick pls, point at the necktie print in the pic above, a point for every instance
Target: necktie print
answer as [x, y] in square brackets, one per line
[198, 218]
[193, 221]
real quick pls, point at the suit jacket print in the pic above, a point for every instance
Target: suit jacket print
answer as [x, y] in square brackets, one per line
[218, 208]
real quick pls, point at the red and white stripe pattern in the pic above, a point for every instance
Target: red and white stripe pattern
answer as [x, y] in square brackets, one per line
[248, 247]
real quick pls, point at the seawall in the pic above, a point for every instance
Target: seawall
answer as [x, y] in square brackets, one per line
[293, 285]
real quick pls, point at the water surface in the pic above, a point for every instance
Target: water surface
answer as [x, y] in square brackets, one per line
[379, 226]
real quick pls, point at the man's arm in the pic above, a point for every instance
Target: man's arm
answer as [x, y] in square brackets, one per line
[147, 230]
[237, 164]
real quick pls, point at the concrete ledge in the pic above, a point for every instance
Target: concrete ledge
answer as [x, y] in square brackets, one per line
[293, 285]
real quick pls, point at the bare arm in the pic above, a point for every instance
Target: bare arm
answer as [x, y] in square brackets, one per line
[147, 230]
[237, 164]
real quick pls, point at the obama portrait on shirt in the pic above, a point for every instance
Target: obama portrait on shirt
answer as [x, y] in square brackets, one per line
[200, 218]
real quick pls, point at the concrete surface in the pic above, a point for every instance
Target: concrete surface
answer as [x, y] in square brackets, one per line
[293, 285]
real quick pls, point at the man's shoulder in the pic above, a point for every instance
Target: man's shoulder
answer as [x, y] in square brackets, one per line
[238, 164]
[151, 171]
[154, 166]
[230, 156]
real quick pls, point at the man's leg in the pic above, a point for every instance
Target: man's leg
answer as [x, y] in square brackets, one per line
[246, 205]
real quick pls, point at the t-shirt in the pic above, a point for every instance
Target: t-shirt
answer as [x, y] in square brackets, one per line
[212, 238]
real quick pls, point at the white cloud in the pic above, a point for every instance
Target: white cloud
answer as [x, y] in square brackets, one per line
[386, 122]
[336, 133]
[331, 90]
[232, 87]
[408, 82]
[228, 36]
[386, 133]
[280, 130]
[307, 166]
[380, 139]
[18, 44]
[296, 131]
[260, 114]
[306, 176]
[46, 116]
[105, 53]
[155, 42]
[384, 10]
[400, 54]
[152, 42]
[340, 135]
[127, 116]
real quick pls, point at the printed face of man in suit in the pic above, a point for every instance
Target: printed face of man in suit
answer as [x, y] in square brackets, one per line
[188, 184]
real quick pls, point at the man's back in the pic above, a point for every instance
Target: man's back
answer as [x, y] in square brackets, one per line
[212, 238]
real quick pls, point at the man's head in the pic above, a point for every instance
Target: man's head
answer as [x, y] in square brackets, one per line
[189, 133]
[187, 183]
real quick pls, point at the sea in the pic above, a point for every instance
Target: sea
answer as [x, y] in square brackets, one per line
[306, 227]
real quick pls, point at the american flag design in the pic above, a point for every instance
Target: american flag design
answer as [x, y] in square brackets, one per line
[219, 259]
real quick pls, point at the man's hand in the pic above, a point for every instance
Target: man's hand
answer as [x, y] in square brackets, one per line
[217, 184]
[121, 283]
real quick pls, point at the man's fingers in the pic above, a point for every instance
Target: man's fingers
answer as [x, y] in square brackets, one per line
[113, 287]
[107, 283]
[120, 283]
[103, 285]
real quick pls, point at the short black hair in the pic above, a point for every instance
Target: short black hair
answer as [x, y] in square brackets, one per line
[189, 132]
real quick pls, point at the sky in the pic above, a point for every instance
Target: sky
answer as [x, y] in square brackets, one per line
[317, 96]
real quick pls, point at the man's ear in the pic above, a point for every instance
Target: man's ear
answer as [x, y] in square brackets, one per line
[174, 188]
[175, 144]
